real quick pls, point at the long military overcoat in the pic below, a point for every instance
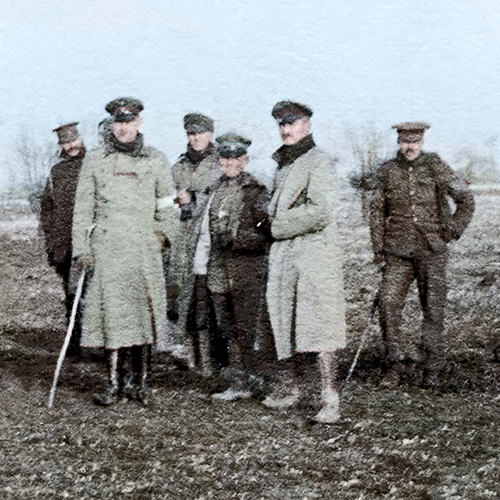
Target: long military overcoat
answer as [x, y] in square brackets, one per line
[194, 178]
[56, 215]
[305, 291]
[122, 204]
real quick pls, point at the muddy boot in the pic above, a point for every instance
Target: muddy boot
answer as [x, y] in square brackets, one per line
[108, 396]
[128, 385]
[143, 393]
[330, 411]
[141, 364]
[392, 378]
[112, 392]
[430, 380]
[281, 400]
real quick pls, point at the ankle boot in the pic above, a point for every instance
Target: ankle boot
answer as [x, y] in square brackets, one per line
[141, 362]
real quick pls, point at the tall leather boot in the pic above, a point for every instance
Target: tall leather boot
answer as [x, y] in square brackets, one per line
[141, 363]
[111, 393]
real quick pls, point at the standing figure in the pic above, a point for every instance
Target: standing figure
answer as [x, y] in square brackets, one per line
[232, 253]
[305, 291]
[410, 226]
[192, 173]
[124, 215]
[56, 216]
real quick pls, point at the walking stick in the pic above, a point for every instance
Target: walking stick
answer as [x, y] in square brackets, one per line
[360, 346]
[68, 337]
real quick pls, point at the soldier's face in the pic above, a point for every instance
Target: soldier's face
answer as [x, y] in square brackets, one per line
[410, 150]
[126, 131]
[72, 148]
[291, 133]
[199, 141]
[232, 167]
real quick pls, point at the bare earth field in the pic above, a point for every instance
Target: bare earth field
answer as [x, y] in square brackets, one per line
[407, 444]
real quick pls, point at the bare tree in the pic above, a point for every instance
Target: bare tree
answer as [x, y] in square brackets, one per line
[477, 163]
[30, 167]
[369, 148]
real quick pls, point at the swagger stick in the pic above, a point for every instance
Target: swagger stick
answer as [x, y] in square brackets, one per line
[68, 337]
[361, 342]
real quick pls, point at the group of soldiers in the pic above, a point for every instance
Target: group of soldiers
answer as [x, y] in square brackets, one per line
[250, 276]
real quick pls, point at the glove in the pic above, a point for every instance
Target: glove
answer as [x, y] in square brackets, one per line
[379, 257]
[222, 241]
[83, 262]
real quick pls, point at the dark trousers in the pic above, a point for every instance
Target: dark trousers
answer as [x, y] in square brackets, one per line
[202, 323]
[63, 269]
[242, 319]
[430, 273]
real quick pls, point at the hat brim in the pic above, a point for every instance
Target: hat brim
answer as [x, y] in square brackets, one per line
[125, 117]
[289, 118]
[194, 128]
[232, 152]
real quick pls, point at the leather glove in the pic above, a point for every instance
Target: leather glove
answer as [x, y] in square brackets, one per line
[84, 262]
[379, 257]
[222, 241]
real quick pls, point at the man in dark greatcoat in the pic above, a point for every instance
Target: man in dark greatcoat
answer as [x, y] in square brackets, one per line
[410, 227]
[56, 216]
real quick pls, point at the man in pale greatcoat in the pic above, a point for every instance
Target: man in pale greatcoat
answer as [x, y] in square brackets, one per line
[124, 215]
[305, 291]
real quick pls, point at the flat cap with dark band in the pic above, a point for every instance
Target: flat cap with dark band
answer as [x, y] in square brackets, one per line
[289, 111]
[232, 145]
[196, 123]
[67, 133]
[411, 131]
[124, 109]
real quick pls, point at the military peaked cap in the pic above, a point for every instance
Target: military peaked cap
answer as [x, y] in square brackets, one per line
[124, 109]
[411, 131]
[196, 123]
[289, 111]
[67, 133]
[232, 145]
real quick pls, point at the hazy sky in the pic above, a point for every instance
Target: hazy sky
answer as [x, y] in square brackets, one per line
[354, 62]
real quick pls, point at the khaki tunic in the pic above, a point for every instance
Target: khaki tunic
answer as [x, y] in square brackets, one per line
[121, 202]
[305, 291]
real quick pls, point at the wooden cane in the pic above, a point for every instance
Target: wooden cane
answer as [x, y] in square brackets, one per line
[68, 337]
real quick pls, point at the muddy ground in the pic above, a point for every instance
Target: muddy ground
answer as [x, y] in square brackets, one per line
[407, 444]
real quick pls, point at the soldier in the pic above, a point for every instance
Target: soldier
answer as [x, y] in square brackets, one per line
[305, 291]
[56, 216]
[192, 173]
[232, 254]
[410, 227]
[124, 215]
